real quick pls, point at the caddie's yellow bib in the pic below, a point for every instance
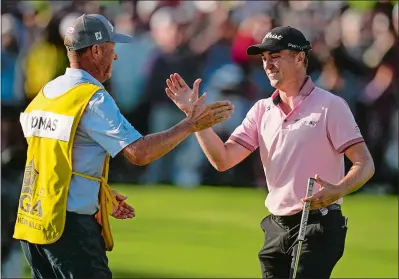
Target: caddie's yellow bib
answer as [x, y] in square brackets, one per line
[49, 125]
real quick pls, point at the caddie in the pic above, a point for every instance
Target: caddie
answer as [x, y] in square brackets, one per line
[73, 127]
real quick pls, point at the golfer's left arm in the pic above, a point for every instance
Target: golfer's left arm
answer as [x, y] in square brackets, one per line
[346, 138]
[362, 168]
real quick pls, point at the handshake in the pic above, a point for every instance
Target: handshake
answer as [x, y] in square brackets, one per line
[201, 116]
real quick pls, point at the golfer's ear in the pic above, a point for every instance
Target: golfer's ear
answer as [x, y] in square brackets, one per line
[300, 57]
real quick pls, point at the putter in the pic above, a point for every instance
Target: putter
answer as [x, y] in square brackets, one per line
[302, 228]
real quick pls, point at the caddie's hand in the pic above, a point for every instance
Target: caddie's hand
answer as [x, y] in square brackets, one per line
[328, 194]
[203, 116]
[180, 93]
[122, 210]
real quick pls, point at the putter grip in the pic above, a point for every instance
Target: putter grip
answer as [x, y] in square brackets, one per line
[305, 213]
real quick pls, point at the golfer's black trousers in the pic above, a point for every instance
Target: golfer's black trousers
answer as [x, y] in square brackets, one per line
[323, 246]
[79, 253]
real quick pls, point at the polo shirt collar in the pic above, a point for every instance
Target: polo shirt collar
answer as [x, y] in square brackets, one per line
[306, 89]
[83, 75]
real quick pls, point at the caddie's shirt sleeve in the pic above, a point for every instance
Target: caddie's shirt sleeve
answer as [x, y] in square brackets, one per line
[342, 129]
[247, 133]
[106, 125]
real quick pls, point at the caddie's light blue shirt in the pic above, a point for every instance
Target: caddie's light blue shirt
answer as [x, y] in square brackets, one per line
[102, 129]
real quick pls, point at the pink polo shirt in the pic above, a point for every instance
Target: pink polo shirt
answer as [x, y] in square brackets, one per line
[310, 140]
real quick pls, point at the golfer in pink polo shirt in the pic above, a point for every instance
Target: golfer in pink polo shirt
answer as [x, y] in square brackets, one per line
[301, 131]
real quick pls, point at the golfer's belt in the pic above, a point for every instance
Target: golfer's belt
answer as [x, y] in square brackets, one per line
[325, 210]
[293, 220]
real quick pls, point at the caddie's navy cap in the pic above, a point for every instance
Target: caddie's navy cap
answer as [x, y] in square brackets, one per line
[91, 29]
[279, 38]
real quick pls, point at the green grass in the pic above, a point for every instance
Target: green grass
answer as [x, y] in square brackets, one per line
[214, 232]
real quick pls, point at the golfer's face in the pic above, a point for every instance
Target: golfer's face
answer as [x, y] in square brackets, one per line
[279, 66]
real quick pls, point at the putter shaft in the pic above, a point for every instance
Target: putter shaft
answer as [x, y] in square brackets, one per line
[302, 227]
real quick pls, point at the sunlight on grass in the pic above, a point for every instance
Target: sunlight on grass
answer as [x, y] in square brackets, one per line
[214, 232]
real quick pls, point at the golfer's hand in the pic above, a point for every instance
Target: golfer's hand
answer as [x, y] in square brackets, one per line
[180, 93]
[122, 210]
[200, 115]
[328, 194]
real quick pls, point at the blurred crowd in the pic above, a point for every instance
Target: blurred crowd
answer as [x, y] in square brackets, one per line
[355, 55]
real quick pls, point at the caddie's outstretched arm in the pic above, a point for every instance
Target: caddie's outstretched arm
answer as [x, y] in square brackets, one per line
[153, 146]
